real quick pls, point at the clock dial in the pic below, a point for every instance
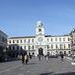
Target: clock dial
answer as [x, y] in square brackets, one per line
[40, 39]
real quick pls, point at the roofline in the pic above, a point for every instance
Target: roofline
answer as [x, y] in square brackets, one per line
[56, 35]
[3, 33]
[22, 37]
[34, 36]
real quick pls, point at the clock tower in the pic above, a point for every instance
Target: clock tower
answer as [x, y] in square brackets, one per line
[39, 32]
[40, 38]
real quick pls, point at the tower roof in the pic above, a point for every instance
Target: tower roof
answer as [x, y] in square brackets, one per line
[39, 23]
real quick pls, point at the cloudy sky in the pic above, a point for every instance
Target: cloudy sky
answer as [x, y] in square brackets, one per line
[19, 17]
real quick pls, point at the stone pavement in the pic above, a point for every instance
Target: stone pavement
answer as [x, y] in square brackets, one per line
[69, 58]
[53, 66]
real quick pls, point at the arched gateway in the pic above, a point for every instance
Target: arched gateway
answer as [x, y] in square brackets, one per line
[40, 51]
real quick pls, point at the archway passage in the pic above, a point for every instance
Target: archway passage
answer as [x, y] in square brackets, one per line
[40, 51]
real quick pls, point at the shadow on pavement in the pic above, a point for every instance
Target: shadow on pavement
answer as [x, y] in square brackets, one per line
[68, 73]
[51, 73]
[31, 63]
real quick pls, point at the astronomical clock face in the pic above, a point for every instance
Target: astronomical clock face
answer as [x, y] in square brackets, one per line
[40, 39]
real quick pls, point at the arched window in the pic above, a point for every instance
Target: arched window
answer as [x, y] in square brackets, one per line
[40, 30]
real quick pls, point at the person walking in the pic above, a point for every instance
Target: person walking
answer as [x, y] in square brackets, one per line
[39, 57]
[30, 56]
[26, 58]
[62, 56]
[23, 55]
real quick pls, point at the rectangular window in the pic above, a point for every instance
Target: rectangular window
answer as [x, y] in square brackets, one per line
[60, 46]
[59, 39]
[5, 40]
[47, 46]
[68, 39]
[25, 41]
[32, 40]
[51, 46]
[69, 52]
[17, 47]
[9, 41]
[21, 48]
[17, 41]
[32, 47]
[47, 40]
[28, 40]
[13, 41]
[64, 46]
[28, 47]
[55, 39]
[25, 47]
[63, 39]
[56, 46]
[69, 46]
[51, 39]
[20, 41]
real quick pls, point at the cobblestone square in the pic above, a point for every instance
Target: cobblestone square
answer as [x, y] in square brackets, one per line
[53, 66]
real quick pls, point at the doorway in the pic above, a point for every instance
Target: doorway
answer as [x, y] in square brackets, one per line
[40, 51]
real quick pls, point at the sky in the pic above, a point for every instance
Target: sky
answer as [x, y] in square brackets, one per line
[19, 17]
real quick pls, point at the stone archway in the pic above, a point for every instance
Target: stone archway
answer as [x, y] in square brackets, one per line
[40, 51]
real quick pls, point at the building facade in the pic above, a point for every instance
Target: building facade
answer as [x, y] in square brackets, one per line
[41, 43]
[73, 41]
[3, 44]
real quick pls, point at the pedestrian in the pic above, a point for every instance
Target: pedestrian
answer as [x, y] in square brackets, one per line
[23, 55]
[45, 56]
[62, 56]
[39, 56]
[26, 58]
[30, 56]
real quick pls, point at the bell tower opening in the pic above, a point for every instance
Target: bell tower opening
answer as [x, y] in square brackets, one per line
[39, 28]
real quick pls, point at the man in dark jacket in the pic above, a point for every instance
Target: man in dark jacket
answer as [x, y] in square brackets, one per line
[62, 56]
